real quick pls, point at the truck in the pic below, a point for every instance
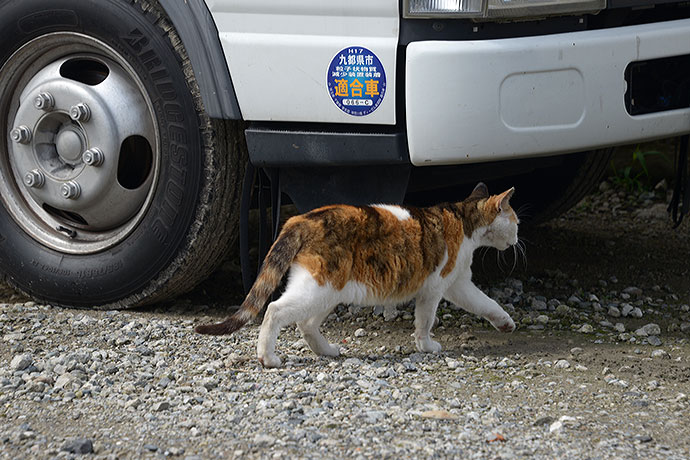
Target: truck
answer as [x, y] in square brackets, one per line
[137, 134]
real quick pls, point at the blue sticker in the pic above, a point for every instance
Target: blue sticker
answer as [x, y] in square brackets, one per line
[356, 81]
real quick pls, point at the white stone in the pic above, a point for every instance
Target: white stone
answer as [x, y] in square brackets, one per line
[562, 364]
[21, 362]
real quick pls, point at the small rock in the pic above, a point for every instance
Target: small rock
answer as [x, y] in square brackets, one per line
[660, 354]
[614, 311]
[161, 406]
[360, 332]
[373, 416]
[562, 364]
[264, 440]
[661, 186]
[648, 329]
[556, 426]
[656, 211]
[685, 327]
[505, 362]
[64, 380]
[542, 319]
[619, 327]
[439, 414]
[452, 363]
[586, 329]
[626, 309]
[632, 290]
[643, 438]
[352, 362]
[390, 313]
[78, 446]
[175, 451]
[636, 313]
[21, 362]
[539, 305]
[576, 351]
[299, 344]
[654, 340]
[562, 310]
[547, 420]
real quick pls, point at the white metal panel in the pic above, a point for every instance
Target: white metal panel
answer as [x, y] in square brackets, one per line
[279, 51]
[498, 99]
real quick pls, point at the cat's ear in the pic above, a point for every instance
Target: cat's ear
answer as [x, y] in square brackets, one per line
[480, 191]
[503, 200]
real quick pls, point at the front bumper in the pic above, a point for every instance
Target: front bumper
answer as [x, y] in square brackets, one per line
[472, 101]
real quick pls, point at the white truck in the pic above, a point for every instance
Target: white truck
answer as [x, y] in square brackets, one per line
[128, 125]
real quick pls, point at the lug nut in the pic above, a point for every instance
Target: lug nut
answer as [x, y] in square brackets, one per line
[70, 190]
[44, 101]
[34, 179]
[93, 157]
[80, 112]
[21, 135]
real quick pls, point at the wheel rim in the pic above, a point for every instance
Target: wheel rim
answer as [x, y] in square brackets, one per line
[82, 154]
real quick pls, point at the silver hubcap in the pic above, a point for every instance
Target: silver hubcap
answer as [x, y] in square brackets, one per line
[82, 153]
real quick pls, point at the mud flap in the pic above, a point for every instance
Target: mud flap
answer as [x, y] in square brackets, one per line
[260, 185]
[680, 202]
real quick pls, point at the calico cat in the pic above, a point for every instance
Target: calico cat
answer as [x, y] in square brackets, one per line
[376, 255]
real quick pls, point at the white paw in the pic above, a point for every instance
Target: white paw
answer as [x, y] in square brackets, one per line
[504, 324]
[270, 361]
[331, 350]
[428, 346]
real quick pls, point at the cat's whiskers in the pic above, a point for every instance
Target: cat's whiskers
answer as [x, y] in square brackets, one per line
[484, 250]
[522, 211]
[522, 250]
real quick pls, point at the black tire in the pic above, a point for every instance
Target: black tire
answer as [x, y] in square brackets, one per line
[544, 187]
[547, 193]
[190, 219]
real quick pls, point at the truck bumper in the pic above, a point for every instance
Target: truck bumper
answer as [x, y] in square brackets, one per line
[472, 101]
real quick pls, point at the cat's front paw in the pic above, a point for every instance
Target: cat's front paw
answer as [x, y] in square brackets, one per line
[331, 350]
[428, 346]
[505, 324]
[270, 361]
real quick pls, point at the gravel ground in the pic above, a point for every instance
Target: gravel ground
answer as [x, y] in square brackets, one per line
[598, 368]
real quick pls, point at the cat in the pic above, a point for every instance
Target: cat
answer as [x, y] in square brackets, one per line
[376, 255]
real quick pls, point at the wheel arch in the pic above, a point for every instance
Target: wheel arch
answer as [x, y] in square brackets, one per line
[197, 30]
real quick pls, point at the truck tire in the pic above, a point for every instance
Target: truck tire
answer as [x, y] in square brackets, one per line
[549, 192]
[117, 189]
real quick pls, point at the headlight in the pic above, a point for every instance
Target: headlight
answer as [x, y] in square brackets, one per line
[499, 9]
[427, 8]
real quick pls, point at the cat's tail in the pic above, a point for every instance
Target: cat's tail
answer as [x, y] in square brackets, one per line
[276, 264]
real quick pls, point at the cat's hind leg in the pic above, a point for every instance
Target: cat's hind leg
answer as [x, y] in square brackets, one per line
[424, 317]
[284, 311]
[274, 320]
[466, 295]
[312, 335]
[302, 300]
